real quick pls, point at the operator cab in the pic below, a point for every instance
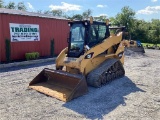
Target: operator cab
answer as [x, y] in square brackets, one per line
[85, 33]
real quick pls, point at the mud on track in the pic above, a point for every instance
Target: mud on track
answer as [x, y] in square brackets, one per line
[135, 96]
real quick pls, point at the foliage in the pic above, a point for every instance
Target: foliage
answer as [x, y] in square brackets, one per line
[1, 3]
[58, 13]
[21, 6]
[32, 55]
[155, 29]
[11, 5]
[86, 14]
[77, 17]
[39, 11]
[125, 18]
[148, 32]
[101, 18]
[8, 50]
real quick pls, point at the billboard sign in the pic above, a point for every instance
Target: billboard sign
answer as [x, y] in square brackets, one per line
[24, 32]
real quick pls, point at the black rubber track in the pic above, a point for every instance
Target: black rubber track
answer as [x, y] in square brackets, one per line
[109, 70]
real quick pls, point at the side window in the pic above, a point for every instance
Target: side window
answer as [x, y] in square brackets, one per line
[93, 33]
[97, 34]
[102, 32]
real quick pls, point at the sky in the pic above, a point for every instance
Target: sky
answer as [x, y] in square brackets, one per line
[144, 9]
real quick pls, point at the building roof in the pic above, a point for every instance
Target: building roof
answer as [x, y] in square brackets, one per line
[26, 13]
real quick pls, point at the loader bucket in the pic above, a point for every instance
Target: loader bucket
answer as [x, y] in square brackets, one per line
[59, 84]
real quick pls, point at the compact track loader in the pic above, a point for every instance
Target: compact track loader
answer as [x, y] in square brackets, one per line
[93, 57]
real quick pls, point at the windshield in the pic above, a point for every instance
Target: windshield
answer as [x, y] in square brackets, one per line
[77, 39]
[77, 32]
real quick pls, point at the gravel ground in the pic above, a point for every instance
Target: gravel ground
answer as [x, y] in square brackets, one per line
[133, 97]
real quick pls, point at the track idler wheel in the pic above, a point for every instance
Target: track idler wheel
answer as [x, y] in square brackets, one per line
[118, 74]
[113, 76]
[98, 82]
[104, 79]
[108, 77]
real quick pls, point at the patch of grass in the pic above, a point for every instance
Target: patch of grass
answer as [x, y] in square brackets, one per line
[150, 44]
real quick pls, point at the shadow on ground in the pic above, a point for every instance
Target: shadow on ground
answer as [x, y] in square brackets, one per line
[8, 69]
[101, 101]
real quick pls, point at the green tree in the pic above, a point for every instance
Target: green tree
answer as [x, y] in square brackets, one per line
[39, 11]
[147, 32]
[77, 17]
[11, 5]
[21, 6]
[101, 18]
[47, 12]
[58, 13]
[112, 21]
[155, 31]
[125, 18]
[140, 31]
[86, 14]
[1, 4]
